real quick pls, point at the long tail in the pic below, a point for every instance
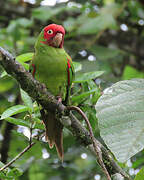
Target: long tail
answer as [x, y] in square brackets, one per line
[54, 134]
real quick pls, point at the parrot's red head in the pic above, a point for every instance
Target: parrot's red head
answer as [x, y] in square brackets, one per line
[54, 35]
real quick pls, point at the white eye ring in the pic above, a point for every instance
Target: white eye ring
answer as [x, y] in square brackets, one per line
[50, 31]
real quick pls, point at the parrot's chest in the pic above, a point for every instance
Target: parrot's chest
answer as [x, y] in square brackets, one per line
[52, 71]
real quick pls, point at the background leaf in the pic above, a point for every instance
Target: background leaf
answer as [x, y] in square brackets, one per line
[104, 53]
[87, 76]
[26, 99]
[78, 99]
[17, 121]
[130, 72]
[14, 110]
[45, 13]
[94, 25]
[77, 66]
[24, 57]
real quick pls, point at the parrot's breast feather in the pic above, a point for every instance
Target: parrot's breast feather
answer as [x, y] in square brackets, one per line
[53, 67]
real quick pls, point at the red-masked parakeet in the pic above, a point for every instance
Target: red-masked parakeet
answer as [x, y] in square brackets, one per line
[52, 66]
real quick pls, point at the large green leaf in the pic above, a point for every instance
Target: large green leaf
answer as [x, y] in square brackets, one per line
[14, 110]
[87, 76]
[26, 99]
[140, 175]
[120, 113]
[24, 57]
[17, 121]
[82, 96]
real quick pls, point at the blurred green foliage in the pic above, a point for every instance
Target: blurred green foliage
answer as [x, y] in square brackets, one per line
[105, 40]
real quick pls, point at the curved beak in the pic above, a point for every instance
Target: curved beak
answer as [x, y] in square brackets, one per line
[57, 39]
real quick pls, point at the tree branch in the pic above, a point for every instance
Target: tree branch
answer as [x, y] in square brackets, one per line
[36, 90]
[95, 144]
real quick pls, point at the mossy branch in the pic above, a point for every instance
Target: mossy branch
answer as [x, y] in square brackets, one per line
[37, 91]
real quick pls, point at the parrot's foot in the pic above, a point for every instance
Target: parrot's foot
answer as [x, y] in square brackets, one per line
[65, 120]
[44, 86]
[59, 99]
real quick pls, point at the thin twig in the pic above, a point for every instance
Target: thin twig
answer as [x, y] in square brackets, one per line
[95, 144]
[39, 136]
[30, 140]
[18, 156]
[31, 129]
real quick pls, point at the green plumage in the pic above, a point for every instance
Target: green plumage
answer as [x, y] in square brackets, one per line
[53, 67]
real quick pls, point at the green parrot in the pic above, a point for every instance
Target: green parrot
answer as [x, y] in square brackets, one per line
[53, 67]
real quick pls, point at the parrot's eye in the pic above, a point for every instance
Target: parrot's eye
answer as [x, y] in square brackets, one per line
[50, 31]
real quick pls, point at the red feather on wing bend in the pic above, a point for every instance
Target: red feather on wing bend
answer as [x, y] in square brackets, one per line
[68, 70]
[34, 70]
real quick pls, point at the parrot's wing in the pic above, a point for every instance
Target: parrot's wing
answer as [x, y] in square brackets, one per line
[70, 71]
[70, 77]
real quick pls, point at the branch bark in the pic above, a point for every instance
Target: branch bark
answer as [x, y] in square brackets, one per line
[36, 90]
